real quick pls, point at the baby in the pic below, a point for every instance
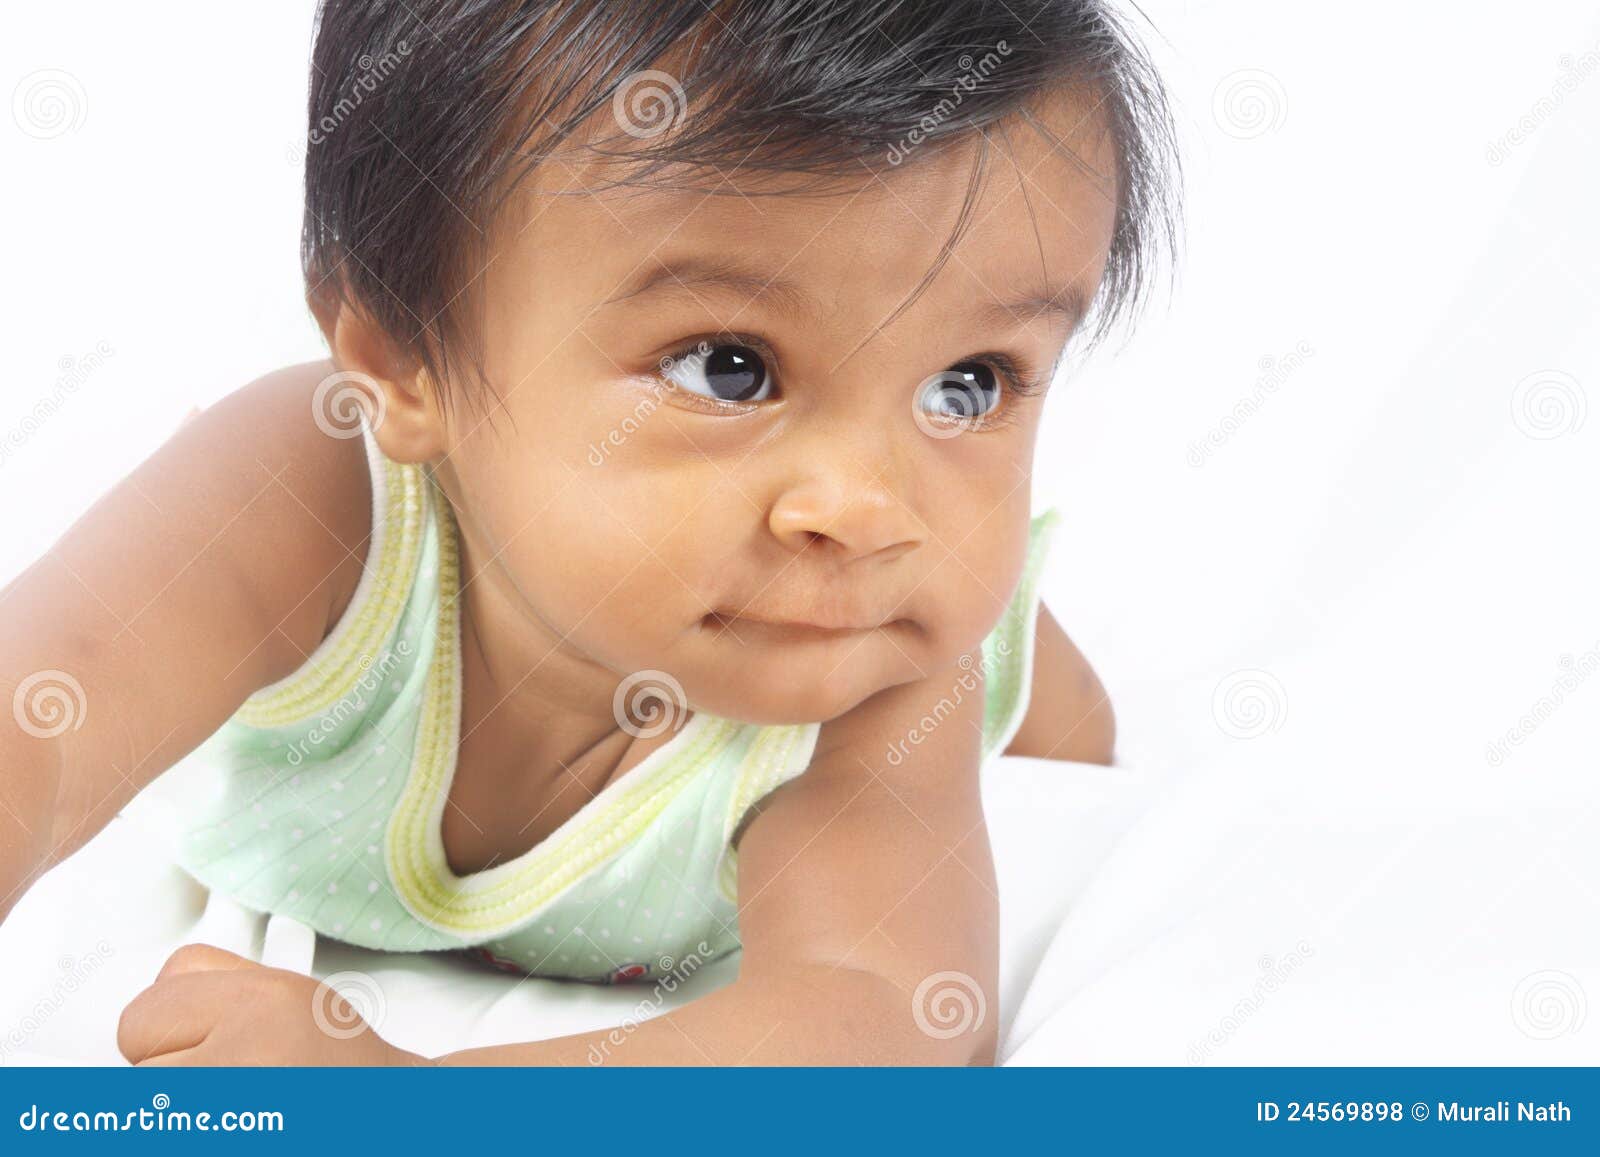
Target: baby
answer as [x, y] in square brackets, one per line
[651, 568]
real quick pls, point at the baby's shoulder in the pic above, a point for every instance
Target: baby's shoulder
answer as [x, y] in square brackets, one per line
[302, 423]
[211, 570]
[280, 467]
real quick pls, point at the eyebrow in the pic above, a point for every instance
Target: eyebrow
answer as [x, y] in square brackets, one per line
[688, 274]
[1070, 302]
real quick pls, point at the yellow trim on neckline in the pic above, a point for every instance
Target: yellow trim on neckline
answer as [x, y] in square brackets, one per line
[331, 671]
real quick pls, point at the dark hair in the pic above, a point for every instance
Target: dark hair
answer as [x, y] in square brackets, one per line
[425, 115]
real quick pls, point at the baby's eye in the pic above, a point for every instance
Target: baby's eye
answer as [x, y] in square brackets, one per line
[966, 390]
[728, 373]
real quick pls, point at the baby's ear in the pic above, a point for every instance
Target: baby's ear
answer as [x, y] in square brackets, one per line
[400, 403]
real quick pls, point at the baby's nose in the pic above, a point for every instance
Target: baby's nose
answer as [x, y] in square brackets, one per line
[856, 521]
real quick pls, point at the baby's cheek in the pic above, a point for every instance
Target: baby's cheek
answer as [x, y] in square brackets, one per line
[602, 583]
[975, 588]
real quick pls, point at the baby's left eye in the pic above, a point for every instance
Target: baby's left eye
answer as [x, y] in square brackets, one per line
[727, 373]
[967, 390]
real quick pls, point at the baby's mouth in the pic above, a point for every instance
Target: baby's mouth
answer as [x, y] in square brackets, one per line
[746, 625]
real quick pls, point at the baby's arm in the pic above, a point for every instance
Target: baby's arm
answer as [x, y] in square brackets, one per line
[1069, 714]
[859, 881]
[867, 911]
[207, 573]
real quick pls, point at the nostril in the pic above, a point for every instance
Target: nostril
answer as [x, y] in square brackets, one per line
[802, 540]
[893, 551]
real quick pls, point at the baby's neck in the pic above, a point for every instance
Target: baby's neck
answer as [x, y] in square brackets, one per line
[525, 761]
[521, 681]
[538, 737]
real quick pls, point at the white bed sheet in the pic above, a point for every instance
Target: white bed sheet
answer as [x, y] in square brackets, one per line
[95, 930]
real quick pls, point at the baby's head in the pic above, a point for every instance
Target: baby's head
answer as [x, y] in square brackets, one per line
[725, 327]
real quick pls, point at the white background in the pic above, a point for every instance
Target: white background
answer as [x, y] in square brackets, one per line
[1398, 548]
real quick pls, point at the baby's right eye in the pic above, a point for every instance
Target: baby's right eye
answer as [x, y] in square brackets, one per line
[725, 373]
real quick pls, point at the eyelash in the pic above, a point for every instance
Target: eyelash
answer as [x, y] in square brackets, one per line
[1020, 380]
[1017, 378]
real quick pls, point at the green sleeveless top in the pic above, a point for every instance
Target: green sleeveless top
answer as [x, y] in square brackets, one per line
[329, 786]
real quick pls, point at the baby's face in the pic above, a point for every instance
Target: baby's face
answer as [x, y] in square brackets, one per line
[711, 459]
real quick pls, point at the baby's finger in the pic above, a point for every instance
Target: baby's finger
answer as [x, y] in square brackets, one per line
[180, 1058]
[175, 1013]
[203, 958]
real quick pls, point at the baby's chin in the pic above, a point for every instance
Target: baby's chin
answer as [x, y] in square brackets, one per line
[806, 682]
[777, 710]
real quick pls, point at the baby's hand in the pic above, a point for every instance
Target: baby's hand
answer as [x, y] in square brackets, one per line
[212, 1007]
